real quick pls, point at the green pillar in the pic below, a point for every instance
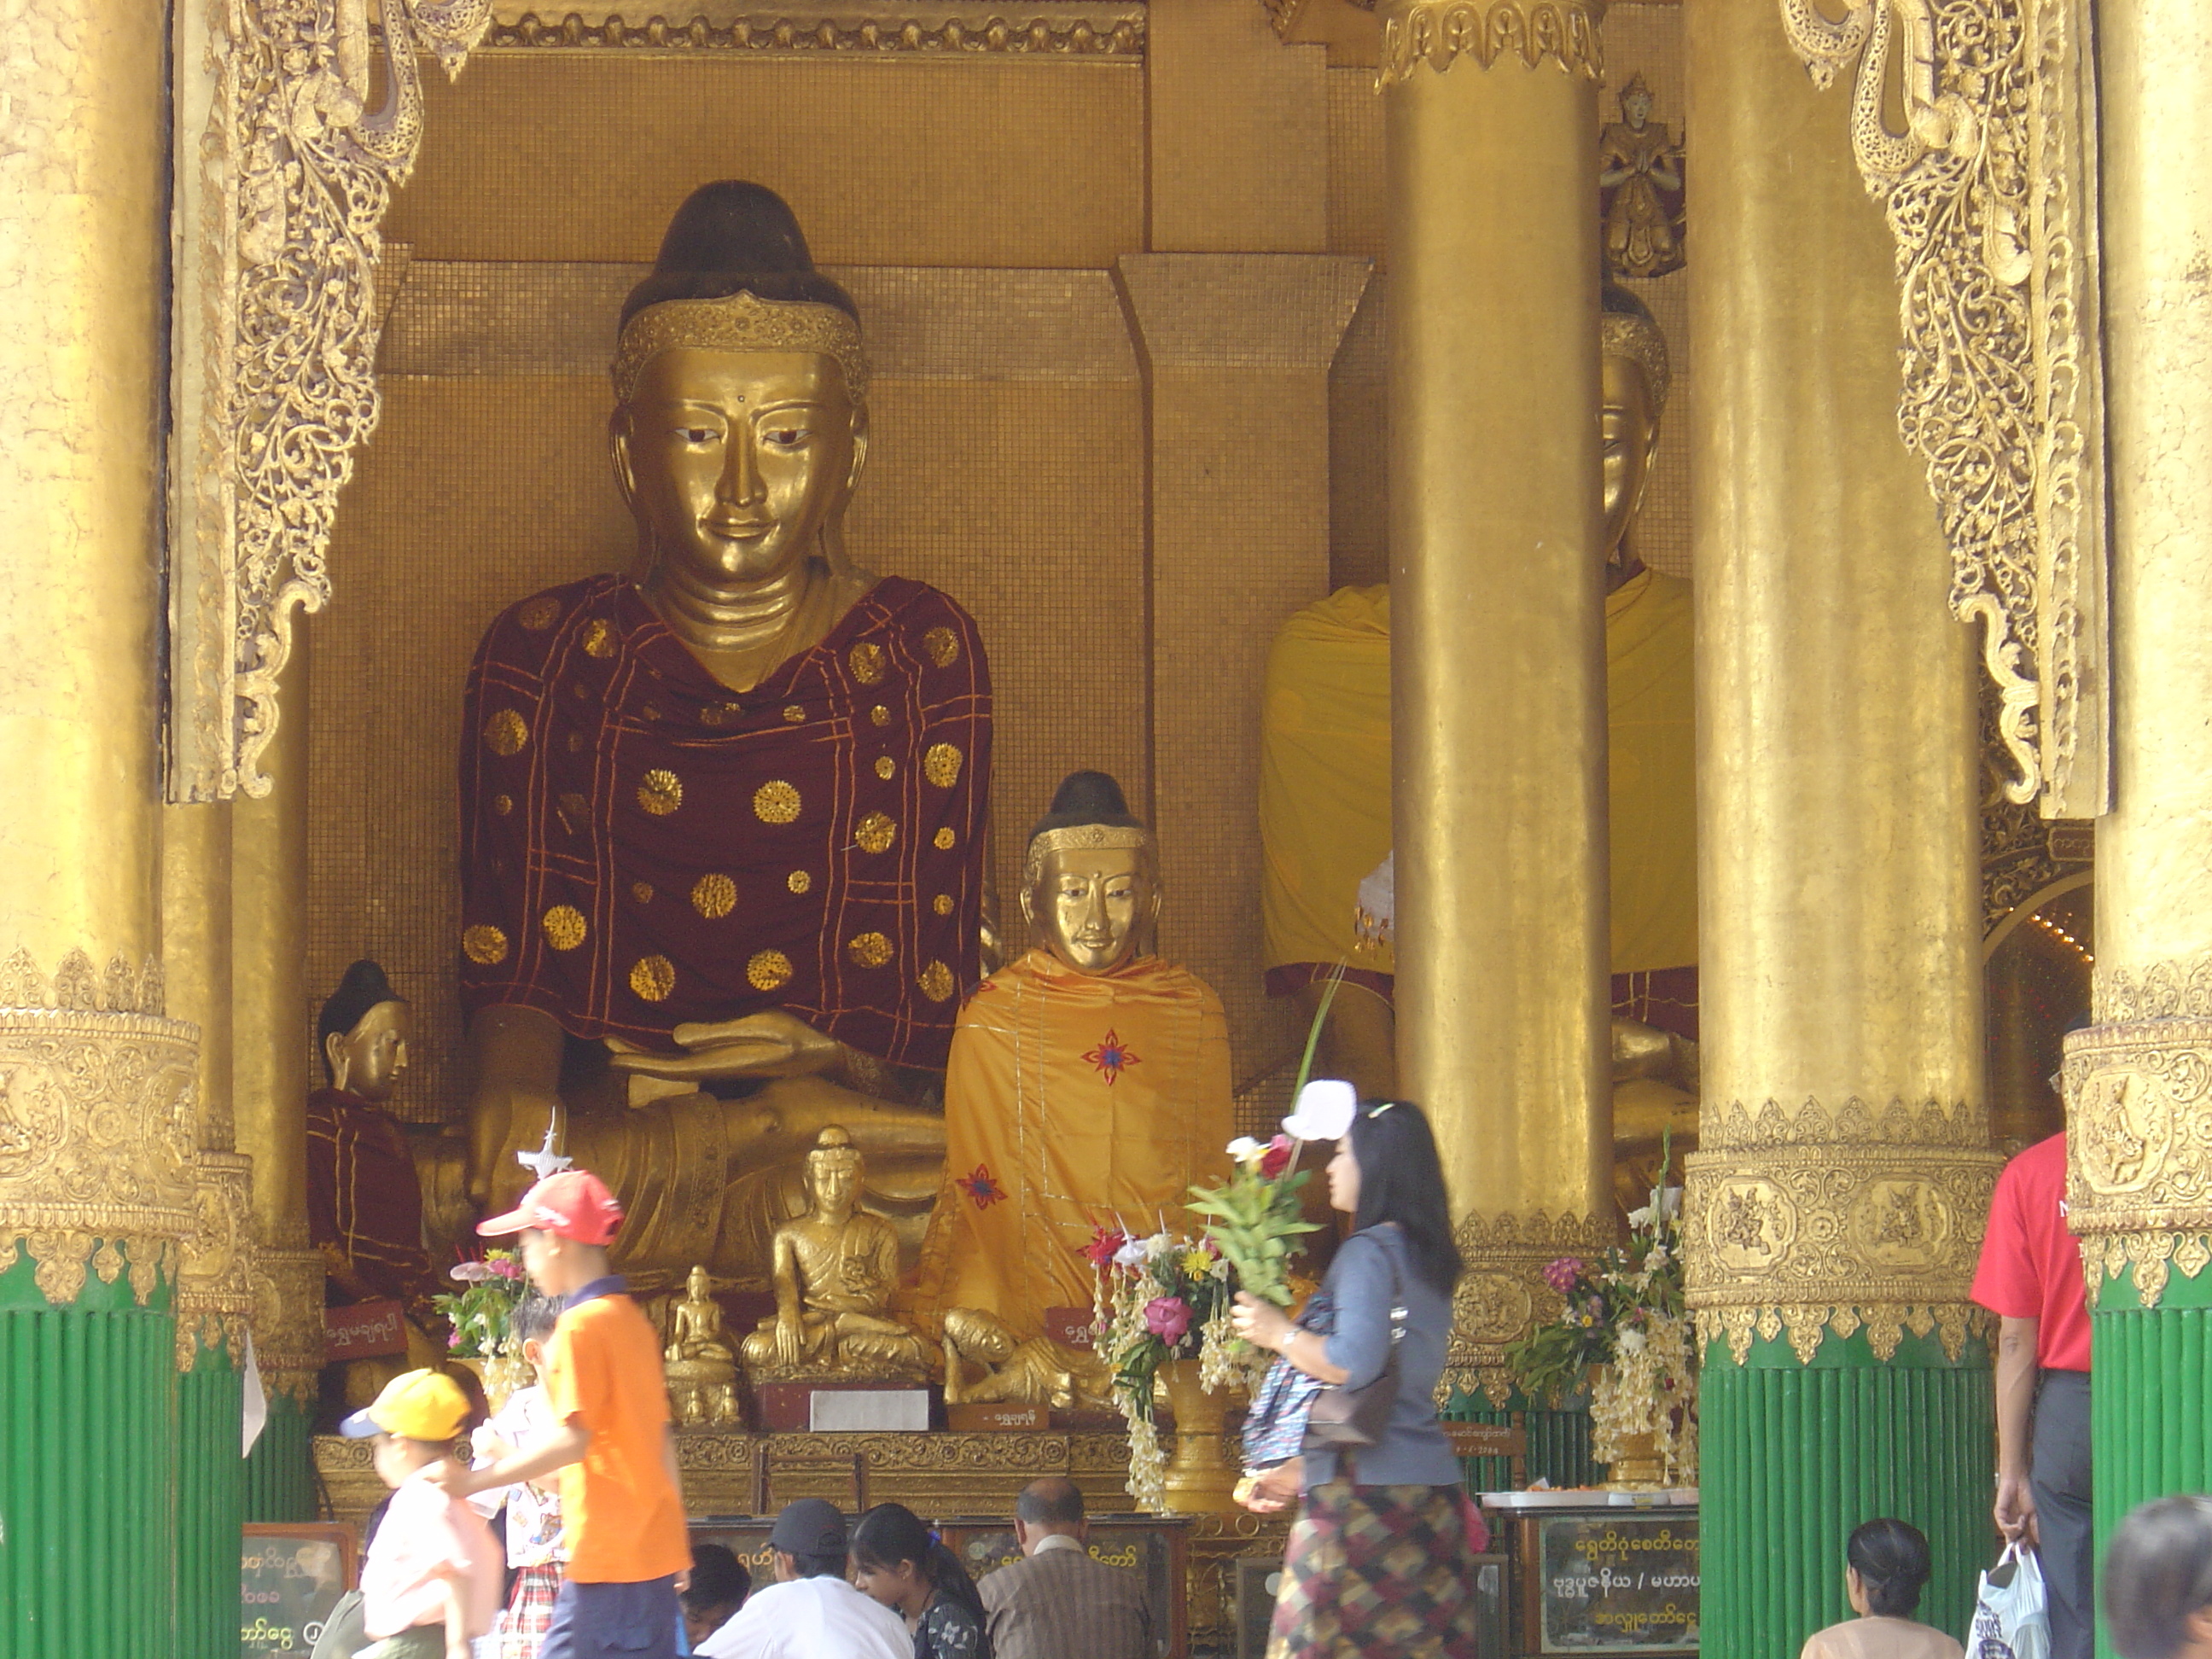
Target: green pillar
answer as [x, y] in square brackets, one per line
[88, 1420]
[210, 1503]
[280, 1475]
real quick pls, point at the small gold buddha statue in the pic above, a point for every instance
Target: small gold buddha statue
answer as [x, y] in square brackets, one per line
[1037, 1372]
[1088, 1081]
[723, 812]
[701, 1367]
[834, 1270]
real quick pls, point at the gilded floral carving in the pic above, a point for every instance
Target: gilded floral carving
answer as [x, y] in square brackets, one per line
[1503, 1296]
[1990, 195]
[96, 1149]
[285, 168]
[1815, 1221]
[2139, 1114]
[1055, 28]
[1563, 33]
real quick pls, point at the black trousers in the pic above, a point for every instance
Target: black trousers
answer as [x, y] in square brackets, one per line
[2059, 1479]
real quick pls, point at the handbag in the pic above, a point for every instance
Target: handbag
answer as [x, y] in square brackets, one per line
[1342, 1418]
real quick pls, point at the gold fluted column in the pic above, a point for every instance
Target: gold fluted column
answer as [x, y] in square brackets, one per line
[1498, 660]
[106, 1078]
[2138, 1084]
[270, 1045]
[1842, 1183]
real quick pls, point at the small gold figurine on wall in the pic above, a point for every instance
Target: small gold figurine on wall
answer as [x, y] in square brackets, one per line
[702, 1371]
[834, 1269]
[1640, 189]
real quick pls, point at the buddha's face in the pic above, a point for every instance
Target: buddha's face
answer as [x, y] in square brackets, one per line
[1636, 105]
[836, 1182]
[695, 1286]
[1090, 905]
[368, 1059]
[1628, 429]
[731, 461]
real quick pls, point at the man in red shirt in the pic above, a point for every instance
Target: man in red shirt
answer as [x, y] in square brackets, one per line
[2030, 1277]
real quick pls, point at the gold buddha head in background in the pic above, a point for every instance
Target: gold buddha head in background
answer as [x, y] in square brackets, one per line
[363, 1031]
[1633, 379]
[1090, 889]
[740, 426]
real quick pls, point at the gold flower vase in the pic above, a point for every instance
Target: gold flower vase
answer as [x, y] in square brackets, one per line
[1200, 1480]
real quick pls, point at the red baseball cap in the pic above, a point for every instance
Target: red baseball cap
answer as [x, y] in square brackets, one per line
[574, 1203]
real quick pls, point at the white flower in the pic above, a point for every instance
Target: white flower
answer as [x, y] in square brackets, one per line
[1324, 1110]
[1134, 1252]
[1658, 1258]
[1640, 1218]
[1632, 1341]
[1244, 1149]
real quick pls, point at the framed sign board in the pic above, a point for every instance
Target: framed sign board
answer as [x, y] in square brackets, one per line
[1610, 1582]
[291, 1577]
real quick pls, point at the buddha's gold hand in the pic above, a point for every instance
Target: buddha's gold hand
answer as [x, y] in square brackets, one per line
[771, 1043]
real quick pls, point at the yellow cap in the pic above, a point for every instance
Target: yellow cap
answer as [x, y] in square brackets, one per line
[423, 1405]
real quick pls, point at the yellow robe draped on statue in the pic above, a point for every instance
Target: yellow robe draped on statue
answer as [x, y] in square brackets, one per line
[1072, 1099]
[1325, 775]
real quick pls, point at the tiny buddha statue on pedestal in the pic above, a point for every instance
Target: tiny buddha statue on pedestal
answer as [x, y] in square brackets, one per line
[834, 1269]
[722, 813]
[702, 1371]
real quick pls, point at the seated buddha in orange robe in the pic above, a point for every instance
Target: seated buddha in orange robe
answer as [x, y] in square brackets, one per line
[722, 813]
[1088, 1081]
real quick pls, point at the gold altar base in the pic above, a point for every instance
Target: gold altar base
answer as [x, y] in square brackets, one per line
[730, 1473]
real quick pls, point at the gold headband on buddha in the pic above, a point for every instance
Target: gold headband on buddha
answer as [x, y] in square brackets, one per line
[740, 322]
[1085, 837]
[1622, 335]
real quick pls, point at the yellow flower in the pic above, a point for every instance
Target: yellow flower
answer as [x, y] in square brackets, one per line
[1197, 1263]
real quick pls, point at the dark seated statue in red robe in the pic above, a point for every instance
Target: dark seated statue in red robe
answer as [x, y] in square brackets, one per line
[723, 816]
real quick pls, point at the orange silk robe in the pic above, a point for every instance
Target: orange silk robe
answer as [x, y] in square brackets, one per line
[1072, 1100]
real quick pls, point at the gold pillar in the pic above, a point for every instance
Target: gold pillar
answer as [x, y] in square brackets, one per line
[83, 232]
[1497, 688]
[2135, 1083]
[269, 1042]
[1840, 923]
[215, 1297]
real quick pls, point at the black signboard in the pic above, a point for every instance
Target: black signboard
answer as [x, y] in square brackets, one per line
[1616, 1583]
[291, 1577]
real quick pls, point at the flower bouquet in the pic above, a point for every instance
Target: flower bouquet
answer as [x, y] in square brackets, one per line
[1624, 1314]
[479, 1312]
[1155, 1300]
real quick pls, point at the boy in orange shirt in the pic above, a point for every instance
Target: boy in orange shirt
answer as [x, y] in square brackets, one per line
[621, 1503]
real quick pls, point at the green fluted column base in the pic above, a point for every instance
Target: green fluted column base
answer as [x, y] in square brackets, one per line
[87, 1471]
[1793, 1456]
[280, 1473]
[2151, 1368]
[1559, 1442]
[211, 1505]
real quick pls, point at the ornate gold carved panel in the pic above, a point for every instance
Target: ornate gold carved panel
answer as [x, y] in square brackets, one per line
[1057, 27]
[1501, 1295]
[1561, 32]
[1990, 195]
[2139, 1114]
[284, 170]
[1816, 1221]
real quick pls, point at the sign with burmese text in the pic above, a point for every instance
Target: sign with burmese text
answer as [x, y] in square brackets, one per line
[1617, 1583]
[291, 1577]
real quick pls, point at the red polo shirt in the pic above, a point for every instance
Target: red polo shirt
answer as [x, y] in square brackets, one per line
[2030, 1266]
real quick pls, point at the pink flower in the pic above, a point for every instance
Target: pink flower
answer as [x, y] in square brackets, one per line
[506, 1267]
[1277, 1158]
[1167, 1317]
[1562, 1273]
[454, 1340]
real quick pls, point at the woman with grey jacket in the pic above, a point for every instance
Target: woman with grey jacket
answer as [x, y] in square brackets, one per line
[1351, 1589]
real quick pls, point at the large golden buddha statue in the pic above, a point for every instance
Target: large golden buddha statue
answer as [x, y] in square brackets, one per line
[722, 813]
[1325, 790]
[1088, 1081]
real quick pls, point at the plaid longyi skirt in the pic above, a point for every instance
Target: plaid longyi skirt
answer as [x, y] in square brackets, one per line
[529, 1611]
[1373, 1572]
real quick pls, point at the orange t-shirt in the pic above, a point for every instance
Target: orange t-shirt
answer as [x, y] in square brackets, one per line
[622, 1518]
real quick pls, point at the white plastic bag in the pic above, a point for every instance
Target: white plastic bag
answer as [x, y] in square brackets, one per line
[2012, 1616]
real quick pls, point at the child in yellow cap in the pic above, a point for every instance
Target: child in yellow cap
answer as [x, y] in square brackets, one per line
[431, 1582]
